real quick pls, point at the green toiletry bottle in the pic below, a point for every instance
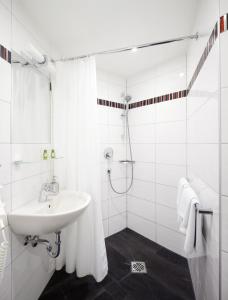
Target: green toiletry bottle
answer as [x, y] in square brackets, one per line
[45, 155]
[52, 153]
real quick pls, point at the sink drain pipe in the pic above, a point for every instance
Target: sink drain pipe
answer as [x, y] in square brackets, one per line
[53, 251]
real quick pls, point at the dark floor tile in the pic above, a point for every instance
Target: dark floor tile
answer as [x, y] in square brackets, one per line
[171, 275]
[141, 286]
[118, 266]
[116, 291]
[172, 257]
[132, 245]
[56, 294]
[85, 288]
[168, 276]
[105, 296]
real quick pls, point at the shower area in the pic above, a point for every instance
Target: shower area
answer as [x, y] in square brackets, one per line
[151, 135]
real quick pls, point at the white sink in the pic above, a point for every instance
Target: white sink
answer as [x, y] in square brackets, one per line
[38, 218]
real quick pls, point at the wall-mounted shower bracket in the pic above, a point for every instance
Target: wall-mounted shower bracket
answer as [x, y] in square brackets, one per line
[52, 251]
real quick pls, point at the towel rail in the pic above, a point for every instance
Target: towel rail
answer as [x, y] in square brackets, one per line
[200, 211]
[203, 211]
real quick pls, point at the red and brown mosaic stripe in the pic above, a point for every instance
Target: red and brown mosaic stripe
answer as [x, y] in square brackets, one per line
[5, 54]
[111, 103]
[158, 99]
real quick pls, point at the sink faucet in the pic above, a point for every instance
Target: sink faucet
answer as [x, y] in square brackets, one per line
[49, 188]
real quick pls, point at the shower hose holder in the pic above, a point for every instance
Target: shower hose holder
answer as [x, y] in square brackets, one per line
[53, 251]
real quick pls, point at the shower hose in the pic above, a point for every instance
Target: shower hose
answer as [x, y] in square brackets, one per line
[132, 167]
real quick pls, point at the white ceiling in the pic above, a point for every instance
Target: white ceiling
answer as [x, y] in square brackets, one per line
[76, 27]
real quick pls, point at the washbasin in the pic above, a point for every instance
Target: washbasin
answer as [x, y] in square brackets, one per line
[38, 218]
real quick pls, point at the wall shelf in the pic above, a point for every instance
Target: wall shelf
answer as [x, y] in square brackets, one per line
[23, 162]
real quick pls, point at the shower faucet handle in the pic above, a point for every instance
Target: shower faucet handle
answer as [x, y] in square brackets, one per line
[108, 153]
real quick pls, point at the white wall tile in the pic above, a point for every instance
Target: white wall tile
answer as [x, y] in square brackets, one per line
[171, 132]
[224, 169]
[38, 262]
[169, 174]
[223, 7]
[224, 266]
[201, 158]
[166, 195]
[117, 205]
[203, 117]
[224, 58]
[116, 134]
[224, 114]
[171, 154]
[143, 189]
[4, 122]
[27, 190]
[144, 171]
[169, 111]
[142, 115]
[143, 152]
[170, 239]
[224, 226]
[29, 153]
[117, 223]
[141, 208]
[143, 133]
[5, 162]
[5, 25]
[5, 75]
[142, 226]
[167, 217]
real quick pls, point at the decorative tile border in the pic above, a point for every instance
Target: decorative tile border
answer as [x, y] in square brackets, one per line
[207, 49]
[163, 98]
[5, 54]
[111, 103]
[220, 27]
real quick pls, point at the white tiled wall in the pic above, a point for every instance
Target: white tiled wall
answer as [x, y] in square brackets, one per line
[5, 148]
[20, 183]
[224, 153]
[112, 134]
[158, 134]
[203, 146]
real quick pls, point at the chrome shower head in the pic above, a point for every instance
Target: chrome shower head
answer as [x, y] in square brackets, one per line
[127, 98]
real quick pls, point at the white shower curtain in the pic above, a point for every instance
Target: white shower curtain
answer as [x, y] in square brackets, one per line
[75, 131]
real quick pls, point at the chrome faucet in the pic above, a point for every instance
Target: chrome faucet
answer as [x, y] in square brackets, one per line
[49, 188]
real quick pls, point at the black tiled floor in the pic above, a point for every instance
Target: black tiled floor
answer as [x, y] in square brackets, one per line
[167, 275]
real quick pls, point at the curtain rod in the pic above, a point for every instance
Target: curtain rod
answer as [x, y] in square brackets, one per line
[129, 48]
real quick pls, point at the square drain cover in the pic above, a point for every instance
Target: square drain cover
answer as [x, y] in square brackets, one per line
[138, 267]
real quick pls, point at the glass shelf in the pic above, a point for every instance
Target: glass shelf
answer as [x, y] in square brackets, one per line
[23, 162]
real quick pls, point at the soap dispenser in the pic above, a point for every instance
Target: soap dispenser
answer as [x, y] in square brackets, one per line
[45, 154]
[53, 153]
[55, 185]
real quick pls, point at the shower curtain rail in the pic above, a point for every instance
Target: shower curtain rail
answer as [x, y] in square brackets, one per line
[129, 48]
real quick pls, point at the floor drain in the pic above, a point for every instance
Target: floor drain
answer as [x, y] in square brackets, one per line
[138, 267]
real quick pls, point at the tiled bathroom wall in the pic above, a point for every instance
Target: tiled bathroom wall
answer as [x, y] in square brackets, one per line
[5, 148]
[21, 184]
[112, 134]
[203, 104]
[158, 134]
[224, 150]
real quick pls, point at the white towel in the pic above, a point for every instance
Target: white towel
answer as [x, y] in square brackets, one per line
[183, 183]
[183, 210]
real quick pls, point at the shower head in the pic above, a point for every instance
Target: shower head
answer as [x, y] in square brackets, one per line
[127, 98]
